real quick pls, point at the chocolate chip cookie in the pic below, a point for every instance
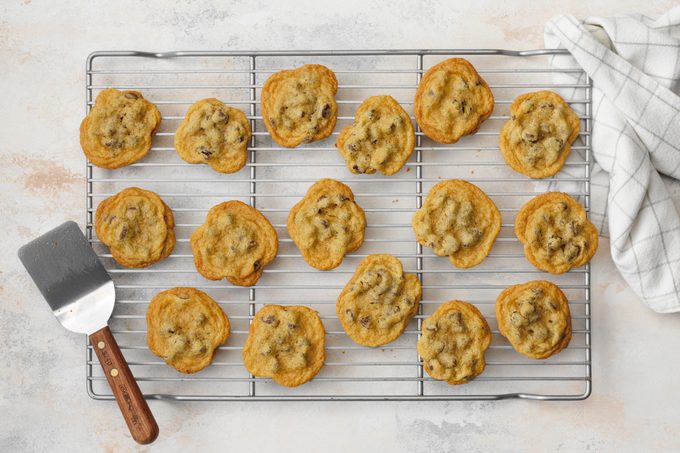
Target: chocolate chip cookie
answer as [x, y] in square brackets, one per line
[535, 318]
[119, 128]
[556, 233]
[298, 105]
[381, 138]
[286, 344]
[455, 338]
[452, 100]
[236, 242]
[185, 326]
[458, 220]
[537, 138]
[378, 302]
[326, 224]
[213, 133]
[137, 226]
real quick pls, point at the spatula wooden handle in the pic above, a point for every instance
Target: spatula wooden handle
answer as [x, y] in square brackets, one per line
[136, 412]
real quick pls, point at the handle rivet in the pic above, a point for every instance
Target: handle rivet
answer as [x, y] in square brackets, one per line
[101, 345]
[114, 372]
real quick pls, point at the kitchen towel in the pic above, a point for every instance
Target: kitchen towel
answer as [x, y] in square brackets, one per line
[634, 64]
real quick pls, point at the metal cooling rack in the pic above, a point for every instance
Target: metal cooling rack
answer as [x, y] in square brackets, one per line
[275, 178]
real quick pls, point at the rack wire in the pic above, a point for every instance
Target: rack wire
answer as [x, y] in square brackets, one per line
[275, 178]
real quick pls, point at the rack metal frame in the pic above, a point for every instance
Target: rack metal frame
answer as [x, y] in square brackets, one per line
[161, 76]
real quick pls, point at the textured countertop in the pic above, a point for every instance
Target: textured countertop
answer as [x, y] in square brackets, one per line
[43, 46]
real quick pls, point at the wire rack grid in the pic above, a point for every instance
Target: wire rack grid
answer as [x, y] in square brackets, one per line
[275, 178]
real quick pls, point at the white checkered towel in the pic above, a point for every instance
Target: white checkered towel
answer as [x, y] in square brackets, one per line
[634, 62]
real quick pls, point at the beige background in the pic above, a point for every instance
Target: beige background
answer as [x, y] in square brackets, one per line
[43, 404]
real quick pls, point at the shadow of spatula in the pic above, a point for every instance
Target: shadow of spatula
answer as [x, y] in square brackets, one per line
[81, 294]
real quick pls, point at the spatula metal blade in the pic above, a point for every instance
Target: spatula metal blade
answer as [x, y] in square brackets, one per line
[70, 277]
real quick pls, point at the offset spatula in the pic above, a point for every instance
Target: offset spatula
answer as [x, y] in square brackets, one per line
[81, 294]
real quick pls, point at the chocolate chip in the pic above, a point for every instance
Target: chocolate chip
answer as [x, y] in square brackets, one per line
[302, 114]
[574, 227]
[256, 265]
[269, 319]
[342, 198]
[572, 251]
[462, 106]
[252, 243]
[223, 116]
[355, 167]
[326, 112]
[352, 147]
[324, 223]
[478, 82]
[529, 136]
[349, 314]
[131, 95]
[206, 152]
[112, 218]
[292, 326]
[365, 321]
[240, 139]
[272, 121]
[123, 232]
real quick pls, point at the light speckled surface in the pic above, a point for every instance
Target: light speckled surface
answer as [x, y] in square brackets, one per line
[634, 406]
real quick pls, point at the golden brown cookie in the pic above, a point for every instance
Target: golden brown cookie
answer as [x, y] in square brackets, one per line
[556, 233]
[455, 338]
[215, 134]
[286, 344]
[236, 242]
[458, 220]
[535, 318]
[381, 138]
[119, 128]
[298, 105]
[326, 224]
[137, 226]
[452, 100]
[378, 302]
[185, 326]
[537, 138]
